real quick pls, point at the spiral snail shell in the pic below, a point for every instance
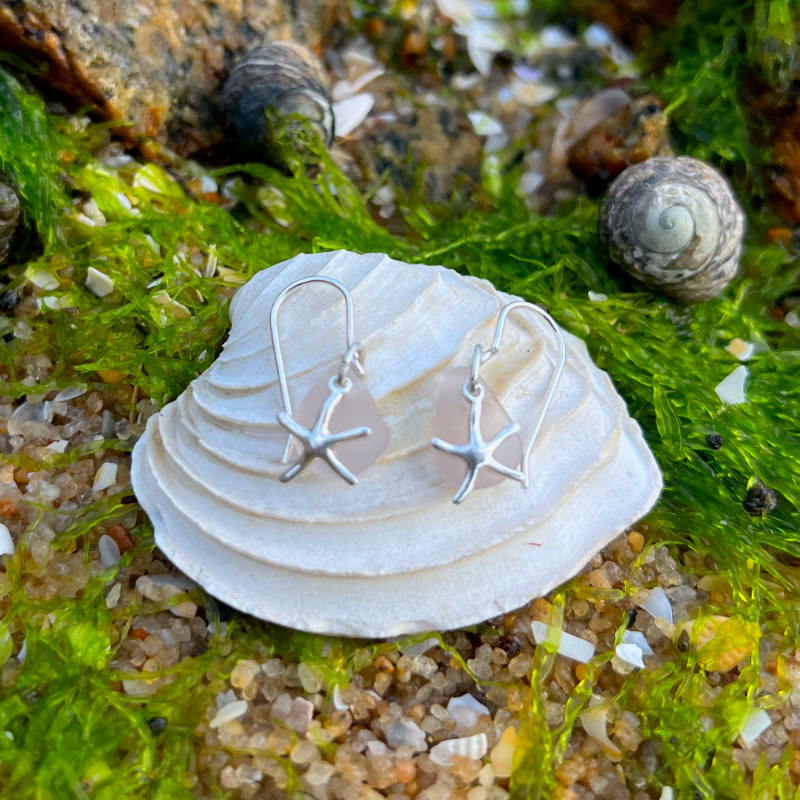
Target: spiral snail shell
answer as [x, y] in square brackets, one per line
[674, 224]
[280, 77]
[9, 217]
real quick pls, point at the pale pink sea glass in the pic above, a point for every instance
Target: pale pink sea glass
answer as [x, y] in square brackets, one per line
[451, 424]
[355, 410]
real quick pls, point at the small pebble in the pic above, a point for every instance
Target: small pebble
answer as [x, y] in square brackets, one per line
[157, 724]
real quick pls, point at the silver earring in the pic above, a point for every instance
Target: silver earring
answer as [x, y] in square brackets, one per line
[492, 441]
[324, 420]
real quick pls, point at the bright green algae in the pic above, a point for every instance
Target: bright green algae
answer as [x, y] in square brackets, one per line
[68, 721]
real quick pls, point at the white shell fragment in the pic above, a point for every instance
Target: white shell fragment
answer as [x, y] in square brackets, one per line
[638, 638]
[731, 389]
[465, 711]
[630, 654]
[655, 602]
[98, 282]
[568, 645]
[594, 723]
[405, 733]
[351, 112]
[473, 747]
[741, 349]
[392, 555]
[109, 552]
[754, 725]
[6, 542]
[106, 476]
[674, 224]
[228, 713]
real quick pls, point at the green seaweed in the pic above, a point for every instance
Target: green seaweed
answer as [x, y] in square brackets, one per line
[73, 733]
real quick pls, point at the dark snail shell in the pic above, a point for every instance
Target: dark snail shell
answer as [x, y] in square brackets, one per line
[9, 217]
[674, 224]
[281, 78]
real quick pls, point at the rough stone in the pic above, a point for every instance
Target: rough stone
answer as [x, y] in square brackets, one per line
[155, 63]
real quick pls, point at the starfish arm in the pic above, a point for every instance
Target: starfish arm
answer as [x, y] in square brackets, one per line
[346, 436]
[467, 485]
[295, 470]
[328, 407]
[294, 427]
[339, 468]
[509, 472]
[454, 449]
[496, 441]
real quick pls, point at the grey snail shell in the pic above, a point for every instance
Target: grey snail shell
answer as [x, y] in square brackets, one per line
[280, 77]
[674, 224]
[9, 218]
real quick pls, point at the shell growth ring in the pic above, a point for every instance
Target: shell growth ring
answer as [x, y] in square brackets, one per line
[492, 440]
[326, 417]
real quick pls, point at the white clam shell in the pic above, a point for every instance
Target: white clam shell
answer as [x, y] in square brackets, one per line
[393, 554]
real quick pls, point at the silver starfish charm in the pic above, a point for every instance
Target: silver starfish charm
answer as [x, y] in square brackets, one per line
[477, 452]
[318, 442]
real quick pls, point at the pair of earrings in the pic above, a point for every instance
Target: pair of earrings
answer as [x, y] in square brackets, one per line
[476, 443]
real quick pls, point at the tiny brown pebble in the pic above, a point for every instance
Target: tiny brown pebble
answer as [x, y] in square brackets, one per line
[139, 633]
[382, 664]
[636, 541]
[776, 312]
[121, 537]
[375, 28]
[8, 508]
[509, 620]
[580, 672]
[412, 54]
[779, 235]
[115, 686]
[21, 475]
[406, 770]
[541, 610]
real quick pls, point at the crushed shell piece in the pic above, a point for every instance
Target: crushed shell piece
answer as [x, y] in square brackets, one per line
[98, 282]
[630, 654]
[109, 552]
[6, 542]
[106, 476]
[655, 602]
[741, 349]
[228, 713]
[568, 645]
[754, 726]
[639, 639]
[464, 711]
[731, 389]
[594, 723]
[472, 747]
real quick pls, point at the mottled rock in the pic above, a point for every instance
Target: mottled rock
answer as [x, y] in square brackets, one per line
[155, 63]
[436, 141]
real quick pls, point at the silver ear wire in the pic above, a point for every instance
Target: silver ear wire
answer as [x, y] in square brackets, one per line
[477, 453]
[551, 389]
[318, 441]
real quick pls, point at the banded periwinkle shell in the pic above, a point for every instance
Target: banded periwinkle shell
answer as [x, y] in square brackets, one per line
[393, 554]
[280, 78]
[675, 224]
[9, 218]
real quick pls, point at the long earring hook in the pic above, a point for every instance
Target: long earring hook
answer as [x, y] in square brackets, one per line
[562, 357]
[353, 356]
